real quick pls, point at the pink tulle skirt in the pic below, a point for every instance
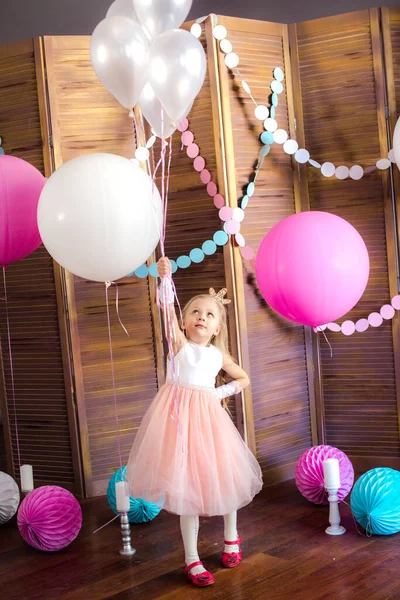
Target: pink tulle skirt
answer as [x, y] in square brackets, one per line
[197, 464]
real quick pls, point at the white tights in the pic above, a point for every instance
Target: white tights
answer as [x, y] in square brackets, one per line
[190, 532]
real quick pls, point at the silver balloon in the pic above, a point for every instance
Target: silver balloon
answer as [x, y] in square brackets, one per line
[161, 15]
[152, 109]
[118, 50]
[177, 68]
[123, 8]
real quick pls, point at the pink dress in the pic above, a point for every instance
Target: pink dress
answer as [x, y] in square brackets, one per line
[195, 463]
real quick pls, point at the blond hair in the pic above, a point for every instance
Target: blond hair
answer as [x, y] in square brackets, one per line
[220, 341]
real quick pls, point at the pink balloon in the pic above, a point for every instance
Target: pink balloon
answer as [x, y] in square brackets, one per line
[312, 267]
[20, 188]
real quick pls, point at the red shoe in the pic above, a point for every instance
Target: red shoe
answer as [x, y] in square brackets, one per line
[201, 579]
[232, 559]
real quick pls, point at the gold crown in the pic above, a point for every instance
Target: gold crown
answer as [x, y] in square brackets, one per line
[219, 297]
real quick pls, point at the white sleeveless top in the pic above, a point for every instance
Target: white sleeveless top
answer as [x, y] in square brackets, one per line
[196, 365]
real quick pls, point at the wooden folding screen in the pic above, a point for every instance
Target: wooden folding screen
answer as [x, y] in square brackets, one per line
[53, 108]
[341, 112]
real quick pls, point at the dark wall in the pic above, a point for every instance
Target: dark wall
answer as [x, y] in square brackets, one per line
[21, 19]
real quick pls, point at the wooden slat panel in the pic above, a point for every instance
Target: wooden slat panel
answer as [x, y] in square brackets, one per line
[87, 119]
[341, 92]
[41, 401]
[276, 355]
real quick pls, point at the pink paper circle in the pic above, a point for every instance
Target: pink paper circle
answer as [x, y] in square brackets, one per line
[232, 227]
[187, 138]
[362, 325]
[205, 176]
[387, 311]
[225, 214]
[219, 201]
[334, 327]
[183, 125]
[375, 319]
[240, 240]
[348, 328]
[199, 163]
[396, 302]
[247, 252]
[192, 150]
[211, 189]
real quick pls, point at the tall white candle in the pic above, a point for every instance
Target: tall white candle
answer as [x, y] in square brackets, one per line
[122, 494]
[331, 473]
[26, 473]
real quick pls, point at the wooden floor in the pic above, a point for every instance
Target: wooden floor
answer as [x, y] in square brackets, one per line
[287, 555]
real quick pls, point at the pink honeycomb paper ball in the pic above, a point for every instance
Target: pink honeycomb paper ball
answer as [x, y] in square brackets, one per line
[309, 473]
[49, 518]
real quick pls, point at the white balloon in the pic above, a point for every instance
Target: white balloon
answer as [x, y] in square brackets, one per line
[396, 143]
[100, 216]
[177, 68]
[118, 51]
[158, 16]
[151, 108]
[9, 497]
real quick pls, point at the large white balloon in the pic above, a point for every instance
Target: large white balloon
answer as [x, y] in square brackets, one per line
[158, 16]
[177, 68]
[396, 142]
[9, 497]
[100, 216]
[118, 51]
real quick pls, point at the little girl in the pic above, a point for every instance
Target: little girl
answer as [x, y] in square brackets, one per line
[187, 451]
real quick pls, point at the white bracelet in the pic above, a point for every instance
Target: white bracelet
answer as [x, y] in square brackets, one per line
[166, 292]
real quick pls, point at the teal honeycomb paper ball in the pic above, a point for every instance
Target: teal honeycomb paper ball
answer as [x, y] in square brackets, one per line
[140, 511]
[375, 501]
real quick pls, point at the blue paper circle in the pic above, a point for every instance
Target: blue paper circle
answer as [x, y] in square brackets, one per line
[375, 501]
[1, 150]
[274, 99]
[267, 137]
[196, 255]
[250, 189]
[272, 112]
[140, 511]
[183, 261]
[209, 247]
[220, 238]
[174, 266]
[277, 87]
[142, 271]
[244, 202]
[153, 270]
[265, 150]
[279, 74]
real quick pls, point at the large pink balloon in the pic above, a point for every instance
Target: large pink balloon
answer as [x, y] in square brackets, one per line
[312, 267]
[20, 188]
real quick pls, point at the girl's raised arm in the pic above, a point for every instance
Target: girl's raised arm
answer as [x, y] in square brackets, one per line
[170, 320]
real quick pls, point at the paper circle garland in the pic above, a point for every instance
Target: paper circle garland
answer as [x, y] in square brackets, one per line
[49, 518]
[375, 501]
[9, 497]
[140, 511]
[309, 474]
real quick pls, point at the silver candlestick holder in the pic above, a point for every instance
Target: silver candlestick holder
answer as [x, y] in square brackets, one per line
[127, 549]
[335, 527]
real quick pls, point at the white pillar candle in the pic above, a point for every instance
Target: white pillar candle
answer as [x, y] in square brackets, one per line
[331, 473]
[122, 494]
[26, 473]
